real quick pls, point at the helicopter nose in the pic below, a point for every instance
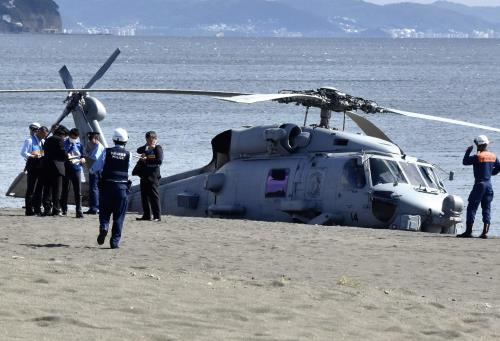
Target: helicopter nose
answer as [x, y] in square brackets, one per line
[439, 215]
[450, 216]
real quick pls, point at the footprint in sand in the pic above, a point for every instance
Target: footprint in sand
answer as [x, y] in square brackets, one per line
[47, 321]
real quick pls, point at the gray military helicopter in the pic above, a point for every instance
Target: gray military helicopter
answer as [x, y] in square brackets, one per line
[312, 174]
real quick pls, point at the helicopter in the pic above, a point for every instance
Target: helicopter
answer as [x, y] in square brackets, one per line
[313, 174]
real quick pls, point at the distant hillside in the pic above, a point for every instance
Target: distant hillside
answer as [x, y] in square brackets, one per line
[317, 18]
[491, 14]
[29, 16]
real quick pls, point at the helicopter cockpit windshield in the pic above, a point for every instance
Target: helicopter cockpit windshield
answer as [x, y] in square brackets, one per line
[413, 174]
[431, 177]
[385, 171]
[390, 171]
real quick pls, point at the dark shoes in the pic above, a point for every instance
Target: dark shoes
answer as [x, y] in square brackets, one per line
[468, 231]
[114, 246]
[79, 214]
[483, 236]
[148, 219]
[90, 212]
[101, 237]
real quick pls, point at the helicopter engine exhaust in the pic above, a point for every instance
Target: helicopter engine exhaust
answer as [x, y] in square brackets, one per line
[273, 139]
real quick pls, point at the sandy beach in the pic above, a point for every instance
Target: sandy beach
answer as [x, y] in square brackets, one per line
[211, 279]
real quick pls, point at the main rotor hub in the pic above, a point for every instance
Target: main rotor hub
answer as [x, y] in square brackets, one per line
[330, 98]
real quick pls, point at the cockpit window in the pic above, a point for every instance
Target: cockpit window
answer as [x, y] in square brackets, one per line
[438, 180]
[385, 171]
[413, 174]
[429, 176]
[353, 175]
[277, 183]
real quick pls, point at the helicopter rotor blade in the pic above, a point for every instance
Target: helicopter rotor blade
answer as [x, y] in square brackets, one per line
[369, 128]
[66, 77]
[438, 119]
[256, 98]
[61, 117]
[137, 91]
[103, 69]
[239, 97]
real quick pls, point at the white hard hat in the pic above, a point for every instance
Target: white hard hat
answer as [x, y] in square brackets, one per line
[481, 139]
[120, 135]
[34, 126]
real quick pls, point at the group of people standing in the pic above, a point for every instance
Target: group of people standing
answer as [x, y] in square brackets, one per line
[52, 163]
[55, 159]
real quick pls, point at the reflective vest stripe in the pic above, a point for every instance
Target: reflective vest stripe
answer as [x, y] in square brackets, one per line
[486, 157]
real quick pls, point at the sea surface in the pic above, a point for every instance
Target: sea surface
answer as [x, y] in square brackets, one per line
[457, 79]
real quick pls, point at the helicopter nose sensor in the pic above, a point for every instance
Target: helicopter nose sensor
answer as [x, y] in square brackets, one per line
[453, 206]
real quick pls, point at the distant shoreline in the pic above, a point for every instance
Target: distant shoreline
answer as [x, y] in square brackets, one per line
[238, 37]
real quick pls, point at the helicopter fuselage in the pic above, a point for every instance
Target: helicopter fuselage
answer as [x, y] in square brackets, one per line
[312, 175]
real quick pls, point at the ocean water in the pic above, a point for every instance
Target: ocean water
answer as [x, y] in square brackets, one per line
[458, 79]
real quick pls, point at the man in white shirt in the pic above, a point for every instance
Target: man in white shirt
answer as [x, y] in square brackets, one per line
[32, 152]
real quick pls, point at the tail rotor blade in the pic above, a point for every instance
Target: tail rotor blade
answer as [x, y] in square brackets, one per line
[66, 77]
[61, 117]
[439, 119]
[103, 69]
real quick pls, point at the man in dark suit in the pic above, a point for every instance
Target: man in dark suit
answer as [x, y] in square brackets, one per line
[55, 157]
[151, 159]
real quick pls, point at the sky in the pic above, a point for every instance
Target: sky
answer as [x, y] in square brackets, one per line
[465, 2]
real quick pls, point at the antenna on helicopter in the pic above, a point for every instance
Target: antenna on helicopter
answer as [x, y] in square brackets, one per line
[305, 117]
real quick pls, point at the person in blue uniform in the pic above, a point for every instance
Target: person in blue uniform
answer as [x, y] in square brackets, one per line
[93, 152]
[73, 174]
[26, 148]
[485, 164]
[151, 159]
[32, 152]
[114, 188]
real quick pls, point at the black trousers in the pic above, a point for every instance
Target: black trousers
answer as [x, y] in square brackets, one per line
[52, 192]
[30, 200]
[75, 178]
[36, 200]
[150, 198]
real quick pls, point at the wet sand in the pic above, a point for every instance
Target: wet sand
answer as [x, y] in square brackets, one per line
[212, 279]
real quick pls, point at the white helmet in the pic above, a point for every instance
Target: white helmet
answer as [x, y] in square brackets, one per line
[481, 139]
[120, 135]
[35, 126]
